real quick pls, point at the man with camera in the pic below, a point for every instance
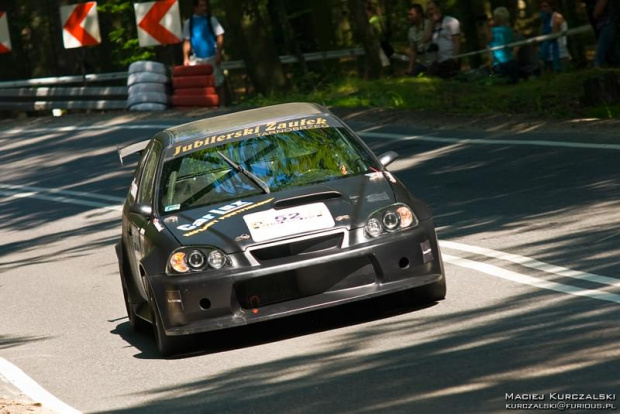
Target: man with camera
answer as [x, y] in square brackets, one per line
[445, 41]
[419, 40]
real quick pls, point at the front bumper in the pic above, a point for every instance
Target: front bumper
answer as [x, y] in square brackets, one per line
[298, 283]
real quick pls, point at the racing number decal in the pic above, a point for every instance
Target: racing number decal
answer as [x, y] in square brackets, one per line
[288, 217]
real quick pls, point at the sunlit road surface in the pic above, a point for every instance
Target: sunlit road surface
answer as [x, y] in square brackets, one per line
[531, 244]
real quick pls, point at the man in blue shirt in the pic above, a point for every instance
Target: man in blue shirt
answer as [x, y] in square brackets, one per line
[203, 40]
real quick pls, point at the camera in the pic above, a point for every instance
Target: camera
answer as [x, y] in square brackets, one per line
[433, 47]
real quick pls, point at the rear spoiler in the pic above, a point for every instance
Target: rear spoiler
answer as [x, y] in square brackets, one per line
[134, 148]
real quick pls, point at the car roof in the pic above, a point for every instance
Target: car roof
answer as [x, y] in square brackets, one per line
[241, 119]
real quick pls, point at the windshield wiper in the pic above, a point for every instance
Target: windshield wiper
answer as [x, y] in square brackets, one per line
[238, 167]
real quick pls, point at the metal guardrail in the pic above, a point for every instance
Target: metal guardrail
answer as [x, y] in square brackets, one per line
[18, 95]
[44, 94]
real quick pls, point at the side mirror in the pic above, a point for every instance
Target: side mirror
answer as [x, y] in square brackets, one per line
[387, 158]
[144, 210]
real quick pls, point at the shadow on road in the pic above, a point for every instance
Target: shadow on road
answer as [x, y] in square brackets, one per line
[565, 346]
[281, 329]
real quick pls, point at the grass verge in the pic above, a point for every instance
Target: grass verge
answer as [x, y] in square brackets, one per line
[552, 96]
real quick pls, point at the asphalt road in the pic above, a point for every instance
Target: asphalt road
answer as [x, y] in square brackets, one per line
[531, 240]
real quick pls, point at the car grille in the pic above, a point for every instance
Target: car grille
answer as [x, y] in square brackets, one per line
[308, 281]
[315, 244]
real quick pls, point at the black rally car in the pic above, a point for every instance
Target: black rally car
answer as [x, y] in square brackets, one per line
[266, 213]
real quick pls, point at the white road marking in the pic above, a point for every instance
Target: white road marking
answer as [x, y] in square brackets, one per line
[59, 191]
[531, 263]
[540, 143]
[43, 194]
[403, 137]
[529, 280]
[112, 127]
[15, 376]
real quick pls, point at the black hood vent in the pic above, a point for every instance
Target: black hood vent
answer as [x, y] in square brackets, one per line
[306, 199]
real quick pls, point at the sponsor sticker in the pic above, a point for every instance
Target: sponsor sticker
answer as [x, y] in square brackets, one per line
[272, 224]
[172, 207]
[220, 214]
[260, 130]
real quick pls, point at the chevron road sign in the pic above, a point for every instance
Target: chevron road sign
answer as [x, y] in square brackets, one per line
[5, 39]
[80, 24]
[159, 22]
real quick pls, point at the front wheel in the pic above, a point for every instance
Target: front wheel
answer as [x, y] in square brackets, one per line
[166, 345]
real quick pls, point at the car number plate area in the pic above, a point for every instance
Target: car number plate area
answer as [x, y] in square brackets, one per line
[272, 224]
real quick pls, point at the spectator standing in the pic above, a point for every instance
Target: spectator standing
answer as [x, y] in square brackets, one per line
[553, 53]
[499, 33]
[203, 42]
[418, 37]
[445, 40]
[606, 49]
[378, 28]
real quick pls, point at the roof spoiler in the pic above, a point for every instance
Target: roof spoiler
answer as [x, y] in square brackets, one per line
[131, 149]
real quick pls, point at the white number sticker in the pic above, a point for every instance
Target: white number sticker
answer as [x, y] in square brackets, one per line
[271, 224]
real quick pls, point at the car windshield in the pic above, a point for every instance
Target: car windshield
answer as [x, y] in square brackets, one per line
[267, 164]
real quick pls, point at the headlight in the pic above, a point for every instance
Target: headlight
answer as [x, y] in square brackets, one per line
[187, 260]
[196, 260]
[217, 259]
[390, 219]
[178, 263]
[373, 227]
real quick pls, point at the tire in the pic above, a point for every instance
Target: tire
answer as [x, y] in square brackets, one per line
[147, 66]
[146, 77]
[147, 87]
[202, 81]
[166, 345]
[210, 101]
[148, 107]
[137, 324]
[431, 293]
[192, 70]
[147, 97]
[195, 91]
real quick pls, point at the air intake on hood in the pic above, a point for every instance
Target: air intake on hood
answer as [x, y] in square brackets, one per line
[306, 199]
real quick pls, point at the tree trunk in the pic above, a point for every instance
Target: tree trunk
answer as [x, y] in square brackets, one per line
[470, 12]
[323, 24]
[290, 38]
[364, 35]
[256, 45]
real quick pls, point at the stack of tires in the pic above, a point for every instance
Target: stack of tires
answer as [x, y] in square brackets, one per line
[194, 86]
[147, 86]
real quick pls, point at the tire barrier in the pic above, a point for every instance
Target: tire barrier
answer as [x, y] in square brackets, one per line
[148, 66]
[195, 70]
[210, 101]
[147, 83]
[148, 107]
[148, 87]
[201, 81]
[194, 86]
[195, 91]
[147, 97]
[142, 77]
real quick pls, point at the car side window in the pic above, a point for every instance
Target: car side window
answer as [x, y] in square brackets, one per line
[146, 185]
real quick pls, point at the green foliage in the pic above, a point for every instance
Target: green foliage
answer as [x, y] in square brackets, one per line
[557, 96]
[119, 15]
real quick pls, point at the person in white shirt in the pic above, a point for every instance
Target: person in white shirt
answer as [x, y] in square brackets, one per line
[419, 40]
[445, 40]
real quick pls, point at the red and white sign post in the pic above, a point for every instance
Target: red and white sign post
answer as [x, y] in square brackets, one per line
[80, 24]
[5, 38]
[159, 22]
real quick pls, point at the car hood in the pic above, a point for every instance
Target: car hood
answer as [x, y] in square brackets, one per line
[239, 223]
